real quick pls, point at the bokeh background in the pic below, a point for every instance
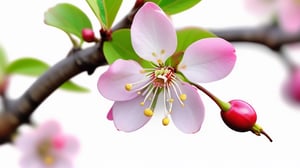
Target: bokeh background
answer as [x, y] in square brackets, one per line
[257, 78]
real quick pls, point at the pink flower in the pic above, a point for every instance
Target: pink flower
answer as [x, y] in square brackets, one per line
[287, 12]
[139, 92]
[48, 147]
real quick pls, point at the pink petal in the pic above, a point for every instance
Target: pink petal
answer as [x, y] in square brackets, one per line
[65, 144]
[109, 115]
[208, 60]
[111, 83]
[189, 118]
[31, 161]
[289, 15]
[152, 33]
[129, 115]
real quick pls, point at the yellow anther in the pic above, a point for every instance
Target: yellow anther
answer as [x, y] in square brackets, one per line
[48, 160]
[171, 100]
[162, 52]
[183, 97]
[160, 62]
[154, 54]
[148, 112]
[142, 103]
[128, 87]
[165, 121]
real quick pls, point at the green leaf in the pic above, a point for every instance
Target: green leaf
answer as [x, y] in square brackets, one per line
[34, 67]
[95, 8]
[120, 47]
[105, 10]
[176, 6]
[108, 11]
[68, 18]
[27, 66]
[187, 36]
[155, 1]
[71, 86]
[3, 61]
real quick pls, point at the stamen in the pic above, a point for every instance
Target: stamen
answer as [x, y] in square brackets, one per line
[48, 160]
[165, 121]
[183, 97]
[162, 52]
[128, 87]
[148, 112]
[154, 54]
[160, 62]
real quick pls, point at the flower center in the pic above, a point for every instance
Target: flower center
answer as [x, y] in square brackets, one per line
[158, 80]
[44, 152]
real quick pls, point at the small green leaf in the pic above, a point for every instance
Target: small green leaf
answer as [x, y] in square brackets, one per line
[105, 10]
[155, 1]
[176, 6]
[95, 8]
[187, 36]
[3, 61]
[120, 47]
[27, 66]
[71, 86]
[108, 11]
[68, 18]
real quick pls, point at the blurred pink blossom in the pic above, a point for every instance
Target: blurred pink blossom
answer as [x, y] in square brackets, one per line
[47, 147]
[286, 11]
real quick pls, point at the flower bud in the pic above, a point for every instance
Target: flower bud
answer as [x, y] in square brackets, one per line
[242, 117]
[88, 35]
[292, 86]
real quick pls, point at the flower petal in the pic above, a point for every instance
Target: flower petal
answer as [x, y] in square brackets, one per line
[261, 7]
[208, 60]
[129, 115]
[152, 34]
[289, 14]
[111, 83]
[66, 145]
[188, 118]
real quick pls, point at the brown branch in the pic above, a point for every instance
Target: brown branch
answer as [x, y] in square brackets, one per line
[270, 36]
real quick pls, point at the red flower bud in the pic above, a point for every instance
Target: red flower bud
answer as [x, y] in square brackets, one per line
[242, 117]
[88, 35]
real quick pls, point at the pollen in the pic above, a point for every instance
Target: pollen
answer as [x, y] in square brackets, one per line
[162, 52]
[148, 112]
[160, 62]
[142, 103]
[154, 54]
[183, 97]
[128, 87]
[165, 121]
[48, 160]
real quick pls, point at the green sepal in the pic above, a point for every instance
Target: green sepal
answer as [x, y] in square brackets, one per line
[120, 47]
[105, 11]
[68, 18]
[3, 63]
[175, 6]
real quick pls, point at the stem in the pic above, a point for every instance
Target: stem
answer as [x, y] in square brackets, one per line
[224, 106]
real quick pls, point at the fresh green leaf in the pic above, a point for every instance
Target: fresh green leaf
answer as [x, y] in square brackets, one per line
[35, 67]
[155, 1]
[176, 6]
[71, 86]
[108, 11]
[95, 8]
[27, 66]
[3, 61]
[68, 18]
[120, 47]
[187, 36]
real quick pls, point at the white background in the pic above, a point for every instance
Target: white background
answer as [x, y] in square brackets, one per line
[257, 78]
